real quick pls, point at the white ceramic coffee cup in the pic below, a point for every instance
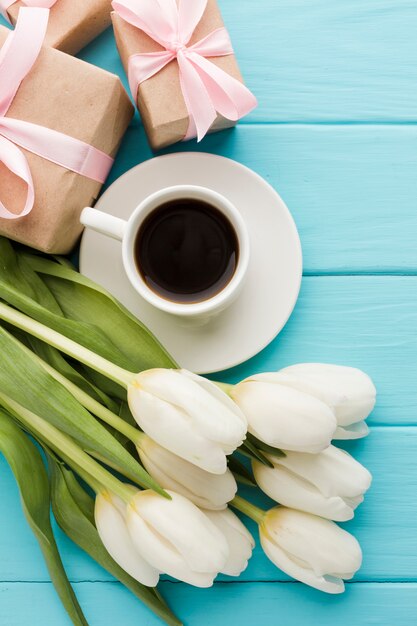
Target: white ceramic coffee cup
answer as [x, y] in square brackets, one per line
[126, 232]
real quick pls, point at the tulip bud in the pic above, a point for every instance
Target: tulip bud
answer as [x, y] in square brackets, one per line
[313, 550]
[110, 518]
[347, 390]
[330, 484]
[239, 539]
[207, 491]
[175, 537]
[188, 415]
[284, 417]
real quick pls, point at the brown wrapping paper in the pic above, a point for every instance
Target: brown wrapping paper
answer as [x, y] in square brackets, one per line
[72, 23]
[83, 101]
[160, 100]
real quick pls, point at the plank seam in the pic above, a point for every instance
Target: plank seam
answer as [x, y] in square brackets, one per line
[376, 274]
[313, 122]
[136, 123]
[219, 582]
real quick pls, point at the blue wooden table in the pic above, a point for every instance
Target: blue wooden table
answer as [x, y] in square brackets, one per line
[336, 134]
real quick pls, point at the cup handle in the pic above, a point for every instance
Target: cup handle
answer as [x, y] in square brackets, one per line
[103, 223]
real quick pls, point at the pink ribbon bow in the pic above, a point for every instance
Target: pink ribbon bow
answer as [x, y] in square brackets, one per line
[17, 58]
[43, 4]
[206, 88]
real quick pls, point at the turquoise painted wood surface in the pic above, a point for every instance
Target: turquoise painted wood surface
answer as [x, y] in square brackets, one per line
[336, 134]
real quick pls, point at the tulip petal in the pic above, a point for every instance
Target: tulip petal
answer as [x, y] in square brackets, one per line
[239, 539]
[217, 393]
[219, 421]
[175, 536]
[164, 555]
[318, 544]
[292, 491]
[305, 575]
[114, 534]
[330, 484]
[172, 428]
[359, 430]
[284, 417]
[333, 471]
[206, 490]
[348, 390]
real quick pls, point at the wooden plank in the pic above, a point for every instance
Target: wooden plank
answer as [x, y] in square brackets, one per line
[352, 320]
[363, 321]
[343, 185]
[384, 524]
[317, 60]
[106, 604]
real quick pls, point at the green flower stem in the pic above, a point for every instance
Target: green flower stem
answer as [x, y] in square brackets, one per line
[95, 407]
[67, 448]
[68, 346]
[248, 509]
[87, 478]
[244, 453]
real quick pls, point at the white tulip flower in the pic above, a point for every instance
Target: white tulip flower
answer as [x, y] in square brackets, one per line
[239, 539]
[330, 484]
[311, 549]
[110, 518]
[207, 491]
[175, 537]
[188, 415]
[347, 390]
[284, 417]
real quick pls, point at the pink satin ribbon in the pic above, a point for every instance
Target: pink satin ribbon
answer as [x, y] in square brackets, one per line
[42, 4]
[207, 89]
[17, 58]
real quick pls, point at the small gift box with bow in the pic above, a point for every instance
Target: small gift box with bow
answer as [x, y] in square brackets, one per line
[72, 24]
[61, 123]
[181, 67]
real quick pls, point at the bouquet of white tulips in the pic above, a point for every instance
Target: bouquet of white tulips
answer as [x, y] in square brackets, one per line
[145, 458]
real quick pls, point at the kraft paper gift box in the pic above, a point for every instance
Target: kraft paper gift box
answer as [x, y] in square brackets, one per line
[70, 96]
[160, 99]
[73, 23]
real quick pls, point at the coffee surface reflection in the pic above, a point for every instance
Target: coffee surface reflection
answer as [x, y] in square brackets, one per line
[186, 251]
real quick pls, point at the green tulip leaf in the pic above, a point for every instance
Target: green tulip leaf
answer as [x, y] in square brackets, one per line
[27, 466]
[59, 297]
[26, 382]
[74, 511]
[264, 447]
[249, 450]
[55, 359]
[240, 472]
[17, 274]
[84, 301]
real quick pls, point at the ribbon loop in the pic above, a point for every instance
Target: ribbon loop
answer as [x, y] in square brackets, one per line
[40, 4]
[10, 55]
[157, 18]
[16, 162]
[17, 57]
[189, 15]
[207, 89]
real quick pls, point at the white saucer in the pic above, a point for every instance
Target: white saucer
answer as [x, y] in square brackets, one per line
[274, 277]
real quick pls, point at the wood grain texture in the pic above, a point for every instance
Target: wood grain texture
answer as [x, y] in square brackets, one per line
[386, 524]
[317, 60]
[336, 134]
[363, 321]
[351, 189]
[369, 604]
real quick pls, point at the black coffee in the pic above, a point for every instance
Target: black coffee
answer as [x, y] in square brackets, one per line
[186, 251]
